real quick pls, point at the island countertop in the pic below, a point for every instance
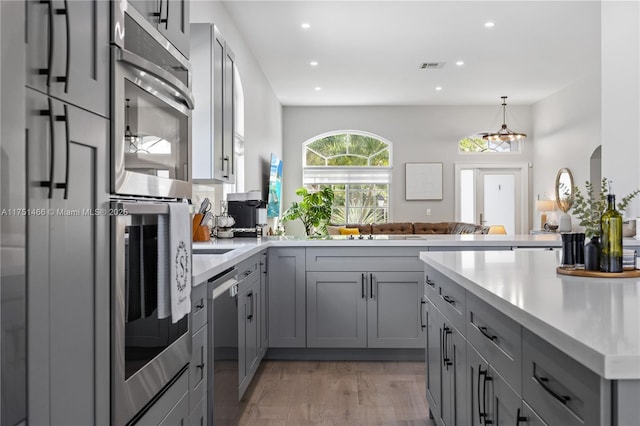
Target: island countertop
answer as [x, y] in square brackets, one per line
[596, 321]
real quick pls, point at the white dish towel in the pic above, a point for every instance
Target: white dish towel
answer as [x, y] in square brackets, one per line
[174, 263]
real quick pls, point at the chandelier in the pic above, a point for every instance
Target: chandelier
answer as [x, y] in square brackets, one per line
[504, 134]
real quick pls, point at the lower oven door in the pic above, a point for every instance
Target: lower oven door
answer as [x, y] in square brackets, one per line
[147, 351]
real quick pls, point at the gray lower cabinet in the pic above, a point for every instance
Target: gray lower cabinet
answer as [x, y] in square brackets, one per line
[432, 360]
[68, 263]
[198, 367]
[264, 289]
[70, 60]
[248, 329]
[529, 417]
[286, 297]
[453, 370]
[359, 310]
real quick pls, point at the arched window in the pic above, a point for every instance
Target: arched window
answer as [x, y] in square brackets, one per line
[476, 144]
[357, 166]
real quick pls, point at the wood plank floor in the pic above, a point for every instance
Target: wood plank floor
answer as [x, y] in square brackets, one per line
[329, 393]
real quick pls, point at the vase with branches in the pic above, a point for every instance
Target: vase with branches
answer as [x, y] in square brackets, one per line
[588, 207]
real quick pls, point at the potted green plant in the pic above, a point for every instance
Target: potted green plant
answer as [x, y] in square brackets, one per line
[588, 208]
[314, 210]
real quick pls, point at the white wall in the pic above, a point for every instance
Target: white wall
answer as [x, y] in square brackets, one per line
[566, 127]
[621, 98]
[263, 111]
[418, 134]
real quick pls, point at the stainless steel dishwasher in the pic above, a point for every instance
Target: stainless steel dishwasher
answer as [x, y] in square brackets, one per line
[223, 380]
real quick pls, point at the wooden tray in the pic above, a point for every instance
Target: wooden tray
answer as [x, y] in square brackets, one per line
[634, 273]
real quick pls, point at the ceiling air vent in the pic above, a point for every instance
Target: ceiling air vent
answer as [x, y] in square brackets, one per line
[432, 65]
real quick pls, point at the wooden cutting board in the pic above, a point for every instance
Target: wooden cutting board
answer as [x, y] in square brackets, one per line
[634, 273]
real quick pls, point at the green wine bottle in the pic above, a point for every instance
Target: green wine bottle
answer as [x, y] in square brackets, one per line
[611, 232]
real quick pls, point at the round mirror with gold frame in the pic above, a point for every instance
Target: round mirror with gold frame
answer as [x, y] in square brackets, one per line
[564, 189]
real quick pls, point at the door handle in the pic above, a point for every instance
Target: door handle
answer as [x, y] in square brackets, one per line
[250, 316]
[486, 379]
[449, 300]
[50, 44]
[364, 296]
[520, 418]
[371, 286]
[65, 11]
[65, 185]
[422, 303]
[52, 147]
[428, 281]
[446, 331]
[483, 330]
[542, 381]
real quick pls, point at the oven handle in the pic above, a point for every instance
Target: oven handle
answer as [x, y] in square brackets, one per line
[142, 64]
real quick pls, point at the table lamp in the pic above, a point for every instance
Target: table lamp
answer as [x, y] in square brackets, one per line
[497, 229]
[544, 206]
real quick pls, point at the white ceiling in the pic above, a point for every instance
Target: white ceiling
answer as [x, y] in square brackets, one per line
[369, 52]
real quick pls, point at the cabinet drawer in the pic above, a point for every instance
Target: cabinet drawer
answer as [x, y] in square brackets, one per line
[498, 339]
[430, 289]
[198, 307]
[559, 389]
[364, 259]
[450, 299]
[198, 367]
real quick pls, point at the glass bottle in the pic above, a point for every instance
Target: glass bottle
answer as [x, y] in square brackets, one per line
[611, 234]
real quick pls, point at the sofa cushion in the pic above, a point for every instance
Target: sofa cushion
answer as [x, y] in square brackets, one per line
[349, 231]
[393, 228]
[364, 229]
[333, 230]
[431, 227]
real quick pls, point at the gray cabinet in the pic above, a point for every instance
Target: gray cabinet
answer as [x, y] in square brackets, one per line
[170, 18]
[364, 309]
[336, 310]
[67, 52]
[198, 367]
[287, 297]
[214, 114]
[248, 329]
[453, 370]
[433, 380]
[171, 408]
[68, 263]
[264, 319]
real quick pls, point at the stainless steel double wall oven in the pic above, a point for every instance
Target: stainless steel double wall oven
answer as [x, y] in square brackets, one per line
[151, 105]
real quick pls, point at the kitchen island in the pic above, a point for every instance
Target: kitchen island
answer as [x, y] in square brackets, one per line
[567, 348]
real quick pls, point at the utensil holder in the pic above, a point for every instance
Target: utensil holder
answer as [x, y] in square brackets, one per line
[200, 233]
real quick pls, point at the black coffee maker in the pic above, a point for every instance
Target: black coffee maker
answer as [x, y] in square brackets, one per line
[245, 207]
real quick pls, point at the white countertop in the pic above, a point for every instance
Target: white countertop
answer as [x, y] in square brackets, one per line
[594, 320]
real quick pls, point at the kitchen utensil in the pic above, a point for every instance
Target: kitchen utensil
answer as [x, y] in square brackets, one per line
[205, 207]
[206, 218]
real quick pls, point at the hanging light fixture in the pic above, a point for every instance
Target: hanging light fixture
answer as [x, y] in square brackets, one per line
[504, 134]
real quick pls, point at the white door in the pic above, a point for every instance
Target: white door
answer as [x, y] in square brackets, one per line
[493, 194]
[496, 200]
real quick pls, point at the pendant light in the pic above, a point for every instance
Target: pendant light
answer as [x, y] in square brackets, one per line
[504, 134]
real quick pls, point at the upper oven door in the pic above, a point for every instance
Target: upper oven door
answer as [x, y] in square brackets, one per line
[151, 118]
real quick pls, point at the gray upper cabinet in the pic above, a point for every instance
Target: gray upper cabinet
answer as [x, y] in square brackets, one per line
[287, 297]
[67, 51]
[170, 18]
[68, 252]
[214, 114]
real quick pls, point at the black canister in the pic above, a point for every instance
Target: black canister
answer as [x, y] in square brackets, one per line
[568, 259]
[579, 250]
[592, 254]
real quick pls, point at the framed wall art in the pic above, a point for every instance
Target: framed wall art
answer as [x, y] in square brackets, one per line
[423, 181]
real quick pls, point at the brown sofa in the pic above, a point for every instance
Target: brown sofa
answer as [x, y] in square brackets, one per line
[395, 228]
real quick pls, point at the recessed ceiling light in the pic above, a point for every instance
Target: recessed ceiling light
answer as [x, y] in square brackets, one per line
[313, 63]
[460, 63]
[305, 25]
[318, 88]
[489, 24]
[438, 88]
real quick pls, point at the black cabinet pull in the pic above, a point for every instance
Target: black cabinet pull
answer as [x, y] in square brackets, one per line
[201, 366]
[542, 381]
[520, 418]
[428, 281]
[52, 146]
[481, 373]
[486, 379]
[68, 147]
[371, 285]
[250, 316]
[47, 71]
[449, 300]
[446, 331]
[65, 79]
[484, 332]
[364, 296]
[422, 303]
[200, 305]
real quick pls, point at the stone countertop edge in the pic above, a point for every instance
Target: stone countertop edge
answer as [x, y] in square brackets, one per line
[610, 366]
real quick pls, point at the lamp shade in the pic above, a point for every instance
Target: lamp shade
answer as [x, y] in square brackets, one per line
[545, 205]
[497, 229]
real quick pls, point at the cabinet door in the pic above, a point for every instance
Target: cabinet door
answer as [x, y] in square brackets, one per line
[174, 23]
[454, 377]
[71, 353]
[336, 310]
[248, 333]
[287, 298]
[228, 115]
[477, 387]
[148, 9]
[68, 52]
[394, 310]
[217, 78]
[506, 403]
[264, 288]
[530, 417]
[198, 368]
[202, 117]
[433, 360]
